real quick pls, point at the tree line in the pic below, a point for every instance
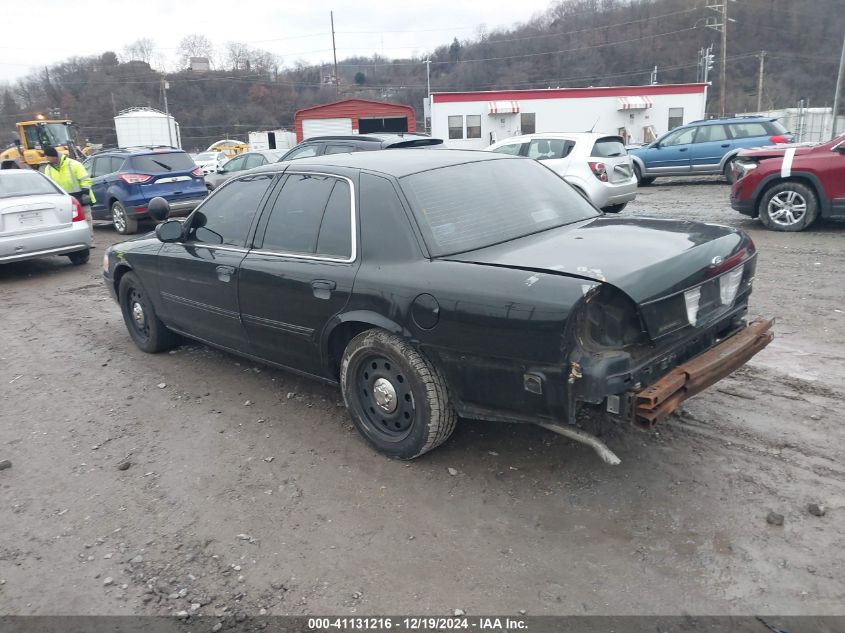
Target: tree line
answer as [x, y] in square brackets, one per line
[574, 43]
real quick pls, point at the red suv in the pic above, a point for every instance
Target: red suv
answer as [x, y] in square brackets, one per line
[789, 186]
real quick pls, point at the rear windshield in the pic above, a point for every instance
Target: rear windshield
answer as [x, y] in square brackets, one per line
[164, 162]
[24, 183]
[609, 147]
[472, 205]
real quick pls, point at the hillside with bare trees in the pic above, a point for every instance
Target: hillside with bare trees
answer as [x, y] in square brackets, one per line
[574, 43]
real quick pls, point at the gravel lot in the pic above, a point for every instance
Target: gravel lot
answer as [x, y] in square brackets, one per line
[247, 488]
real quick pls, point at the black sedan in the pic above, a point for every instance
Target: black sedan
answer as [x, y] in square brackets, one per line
[432, 285]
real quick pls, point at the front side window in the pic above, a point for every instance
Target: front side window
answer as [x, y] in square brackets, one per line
[512, 149]
[456, 126]
[681, 137]
[225, 218]
[676, 118]
[312, 215]
[528, 122]
[339, 149]
[473, 126]
[471, 205]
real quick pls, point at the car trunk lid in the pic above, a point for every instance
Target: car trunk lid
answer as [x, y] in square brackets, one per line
[34, 214]
[611, 151]
[648, 259]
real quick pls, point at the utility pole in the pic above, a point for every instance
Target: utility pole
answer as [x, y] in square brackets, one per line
[428, 95]
[839, 80]
[334, 52]
[164, 86]
[760, 82]
[722, 27]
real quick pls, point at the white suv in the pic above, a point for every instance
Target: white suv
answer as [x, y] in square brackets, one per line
[597, 165]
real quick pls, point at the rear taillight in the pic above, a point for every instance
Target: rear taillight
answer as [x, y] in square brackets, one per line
[78, 214]
[599, 171]
[778, 138]
[134, 179]
[197, 172]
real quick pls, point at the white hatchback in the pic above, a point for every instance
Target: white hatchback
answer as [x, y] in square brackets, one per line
[595, 164]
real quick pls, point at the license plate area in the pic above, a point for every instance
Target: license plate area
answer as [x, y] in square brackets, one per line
[30, 218]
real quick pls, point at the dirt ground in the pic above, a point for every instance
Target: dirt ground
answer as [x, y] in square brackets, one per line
[248, 488]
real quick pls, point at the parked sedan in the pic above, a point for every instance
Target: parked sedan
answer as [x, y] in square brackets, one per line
[597, 165]
[239, 164]
[432, 285]
[210, 162]
[39, 219]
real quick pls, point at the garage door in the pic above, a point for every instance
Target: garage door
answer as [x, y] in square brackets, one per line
[326, 127]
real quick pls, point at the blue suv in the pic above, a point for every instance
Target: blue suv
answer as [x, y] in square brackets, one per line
[705, 147]
[125, 180]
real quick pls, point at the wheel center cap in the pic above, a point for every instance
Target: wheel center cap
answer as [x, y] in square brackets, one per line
[385, 395]
[138, 314]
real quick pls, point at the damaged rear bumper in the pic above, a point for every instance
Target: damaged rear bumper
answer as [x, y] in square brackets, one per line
[659, 400]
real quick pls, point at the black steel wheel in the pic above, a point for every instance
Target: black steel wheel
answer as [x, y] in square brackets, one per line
[396, 397]
[144, 326]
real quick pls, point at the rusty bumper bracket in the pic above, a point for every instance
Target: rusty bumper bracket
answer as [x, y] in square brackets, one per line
[658, 401]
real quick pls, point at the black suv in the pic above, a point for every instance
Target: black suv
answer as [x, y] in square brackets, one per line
[320, 145]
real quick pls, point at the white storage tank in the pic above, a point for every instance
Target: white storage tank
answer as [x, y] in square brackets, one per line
[138, 127]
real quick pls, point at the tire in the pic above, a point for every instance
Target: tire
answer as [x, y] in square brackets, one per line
[377, 364]
[788, 206]
[728, 171]
[641, 182]
[124, 223]
[615, 208]
[79, 257]
[145, 328]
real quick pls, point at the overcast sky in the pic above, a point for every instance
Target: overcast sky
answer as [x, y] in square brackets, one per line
[49, 31]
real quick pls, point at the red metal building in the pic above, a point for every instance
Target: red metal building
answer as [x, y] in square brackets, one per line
[353, 116]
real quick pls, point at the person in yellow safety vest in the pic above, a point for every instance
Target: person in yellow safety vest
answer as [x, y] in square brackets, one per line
[71, 176]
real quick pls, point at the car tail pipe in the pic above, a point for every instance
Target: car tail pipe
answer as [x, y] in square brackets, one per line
[601, 449]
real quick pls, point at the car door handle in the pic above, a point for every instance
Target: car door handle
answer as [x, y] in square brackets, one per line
[726, 144]
[683, 149]
[322, 288]
[224, 273]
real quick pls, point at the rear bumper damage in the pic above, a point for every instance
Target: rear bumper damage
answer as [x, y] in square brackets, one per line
[659, 400]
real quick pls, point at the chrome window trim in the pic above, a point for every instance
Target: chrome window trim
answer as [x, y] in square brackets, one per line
[322, 258]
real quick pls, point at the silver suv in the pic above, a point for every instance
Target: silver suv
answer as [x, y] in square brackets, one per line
[595, 164]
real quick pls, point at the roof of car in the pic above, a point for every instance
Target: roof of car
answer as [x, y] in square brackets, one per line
[376, 137]
[140, 151]
[575, 136]
[734, 119]
[396, 162]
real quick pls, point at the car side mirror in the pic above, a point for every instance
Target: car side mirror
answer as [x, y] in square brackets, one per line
[840, 148]
[159, 209]
[170, 231]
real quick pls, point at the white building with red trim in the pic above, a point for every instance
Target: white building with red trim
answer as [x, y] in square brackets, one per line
[474, 120]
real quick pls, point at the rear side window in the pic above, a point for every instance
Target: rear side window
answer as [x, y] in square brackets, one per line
[775, 127]
[311, 215]
[745, 130]
[23, 183]
[303, 152]
[609, 147]
[254, 160]
[545, 149]
[339, 149]
[225, 218]
[163, 162]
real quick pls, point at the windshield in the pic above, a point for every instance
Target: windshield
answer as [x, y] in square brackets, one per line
[473, 205]
[24, 183]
